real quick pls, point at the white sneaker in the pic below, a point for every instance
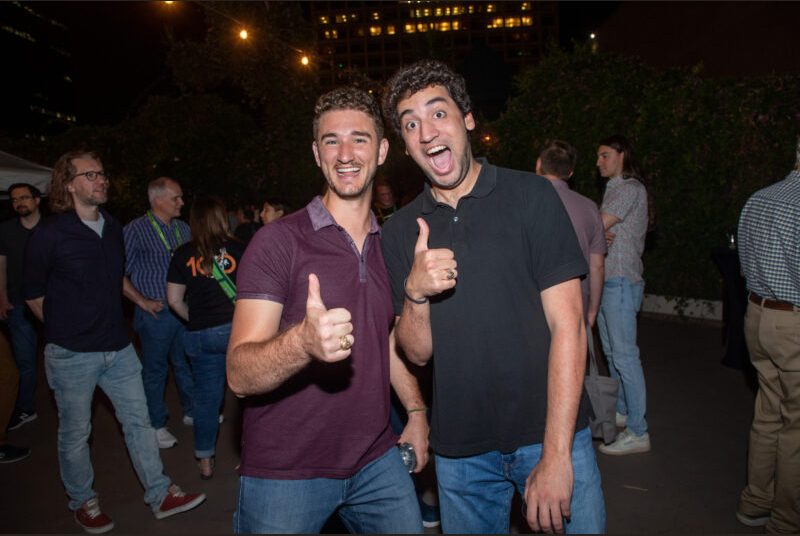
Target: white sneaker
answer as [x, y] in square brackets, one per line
[627, 443]
[621, 420]
[165, 439]
[188, 420]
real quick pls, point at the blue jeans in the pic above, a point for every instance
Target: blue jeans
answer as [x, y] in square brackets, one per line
[24, 340]
[162, 341]
[475, 492]
[616, 322]
[206, 349]
[378, 499]
[73, 377]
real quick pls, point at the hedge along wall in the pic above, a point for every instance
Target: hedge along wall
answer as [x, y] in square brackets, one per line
[705, 144]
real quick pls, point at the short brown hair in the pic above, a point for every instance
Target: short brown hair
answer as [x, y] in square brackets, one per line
[348, 98]
[63, 174]
[558, 159]
[418, 76]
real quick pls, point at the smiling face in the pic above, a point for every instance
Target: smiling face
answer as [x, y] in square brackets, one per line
[609, 161]
[84, 192]
[435, 134]
[348, 151]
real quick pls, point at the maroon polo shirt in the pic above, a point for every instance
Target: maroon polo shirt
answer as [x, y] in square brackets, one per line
[330, 419]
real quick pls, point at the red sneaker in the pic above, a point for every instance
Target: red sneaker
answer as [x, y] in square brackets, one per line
[177, 501]
[91, 519]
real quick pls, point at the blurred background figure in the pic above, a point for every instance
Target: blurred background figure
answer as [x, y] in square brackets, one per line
[9, 380]
[201, 289]
[246, 226]
[273, 210]
[384, 204]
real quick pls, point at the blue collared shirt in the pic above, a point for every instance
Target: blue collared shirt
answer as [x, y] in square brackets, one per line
[147, 257]
[769, 241]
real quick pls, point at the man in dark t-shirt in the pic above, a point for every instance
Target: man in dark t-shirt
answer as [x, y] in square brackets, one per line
[485, 272]
[312, 350]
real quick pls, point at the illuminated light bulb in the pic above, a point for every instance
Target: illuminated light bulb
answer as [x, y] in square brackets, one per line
[243, 34]
[305, 61]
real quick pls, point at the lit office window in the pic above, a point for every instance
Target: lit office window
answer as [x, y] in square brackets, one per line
[438, 12]
[527, 21]
[495, 23]
[422, 27]
[526, 6]
[376, 15]
[418, 13]
[375, 31]
[444, 26]
[512, 22]
[353, 17]
[490, 8]
[471, 9]
[458, 10]
[341, 18]
[390, 29]
[409, 28]
[426, 12]
[456, 25]
[323, 19]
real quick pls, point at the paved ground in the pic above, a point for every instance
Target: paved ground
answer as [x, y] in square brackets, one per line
[699, 414]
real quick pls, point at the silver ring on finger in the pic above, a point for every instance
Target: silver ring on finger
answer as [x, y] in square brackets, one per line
[345, 343]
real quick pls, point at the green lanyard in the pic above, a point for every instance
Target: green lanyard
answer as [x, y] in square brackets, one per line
[228, 286]
[157, 229]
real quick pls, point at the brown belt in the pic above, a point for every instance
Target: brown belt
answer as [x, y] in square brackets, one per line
[772, 304]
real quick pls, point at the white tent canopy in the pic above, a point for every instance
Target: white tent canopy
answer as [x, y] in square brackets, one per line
[15, 169]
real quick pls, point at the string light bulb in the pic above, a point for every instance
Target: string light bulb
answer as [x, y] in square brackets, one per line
[243, 34]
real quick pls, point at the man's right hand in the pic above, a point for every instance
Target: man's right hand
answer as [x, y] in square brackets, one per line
[5, 307]
[151, 306]
[433, 271]
[325, 330]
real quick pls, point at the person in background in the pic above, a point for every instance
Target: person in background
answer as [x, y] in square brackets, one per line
[385, 204]
[74, 271]
[624, 212]
[14, 235]
[201, 289]
[273, 210]
[9, 381]
[769, 249]
[150, 241]
[246, 226]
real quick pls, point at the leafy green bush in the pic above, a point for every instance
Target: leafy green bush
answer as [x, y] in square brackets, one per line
[706, 145]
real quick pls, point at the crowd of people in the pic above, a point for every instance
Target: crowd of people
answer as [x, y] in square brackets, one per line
[313, 318]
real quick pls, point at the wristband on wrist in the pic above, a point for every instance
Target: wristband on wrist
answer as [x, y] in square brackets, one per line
[408, 296]
[415, 410]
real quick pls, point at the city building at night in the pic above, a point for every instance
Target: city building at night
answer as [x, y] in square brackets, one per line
[375, 38]
[38, 95]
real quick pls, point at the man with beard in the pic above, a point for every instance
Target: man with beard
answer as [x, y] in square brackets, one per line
[74, 266]
[485, 270]
[14, 235]
[311, 348]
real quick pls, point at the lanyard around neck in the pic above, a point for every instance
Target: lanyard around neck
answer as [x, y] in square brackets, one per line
[157, 229]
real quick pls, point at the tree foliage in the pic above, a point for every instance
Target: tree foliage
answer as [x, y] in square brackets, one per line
[706, 145]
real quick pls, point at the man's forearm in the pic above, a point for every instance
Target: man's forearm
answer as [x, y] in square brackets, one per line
[130, 292]
[259, 367]
[403, 381]
[37, 307]
[413, 331]
[596, 281]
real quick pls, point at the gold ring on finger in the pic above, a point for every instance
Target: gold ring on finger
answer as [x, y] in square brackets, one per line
[450, 274]
[345, 343]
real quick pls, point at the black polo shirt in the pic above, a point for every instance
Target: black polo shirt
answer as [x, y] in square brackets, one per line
[80, 276]
[13, 239]
[512, 239]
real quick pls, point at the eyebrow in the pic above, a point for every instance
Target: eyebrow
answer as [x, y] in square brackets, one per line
[353, 133]
[428, 104]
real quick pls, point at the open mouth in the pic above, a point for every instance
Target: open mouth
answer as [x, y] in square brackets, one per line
[440, 158]
[346, 170]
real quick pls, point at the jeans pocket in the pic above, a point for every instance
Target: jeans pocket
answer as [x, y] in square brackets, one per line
[53, 351]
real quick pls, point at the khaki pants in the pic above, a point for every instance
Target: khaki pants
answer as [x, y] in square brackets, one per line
[773, 464]
[9, 382]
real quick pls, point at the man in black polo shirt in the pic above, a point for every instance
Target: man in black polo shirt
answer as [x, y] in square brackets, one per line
[75, 260]
[485, 271]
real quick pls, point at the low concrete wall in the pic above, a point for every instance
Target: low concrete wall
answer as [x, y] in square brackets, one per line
[689, 307]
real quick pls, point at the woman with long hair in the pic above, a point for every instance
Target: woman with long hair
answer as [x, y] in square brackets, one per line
[201, 289]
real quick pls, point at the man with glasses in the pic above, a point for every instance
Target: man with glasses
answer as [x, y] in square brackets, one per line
[74, 267]
[14, 235]
[150, 241]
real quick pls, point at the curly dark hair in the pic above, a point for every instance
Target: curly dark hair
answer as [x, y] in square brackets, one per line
[348, 98]
[418, 76]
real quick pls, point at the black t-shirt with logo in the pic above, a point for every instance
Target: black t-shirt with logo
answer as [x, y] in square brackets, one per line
[209, 306]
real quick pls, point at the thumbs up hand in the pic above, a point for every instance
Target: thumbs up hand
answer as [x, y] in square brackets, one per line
[433, 271]
[327, 333]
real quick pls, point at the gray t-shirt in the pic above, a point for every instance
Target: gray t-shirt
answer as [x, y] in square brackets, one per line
[627, 200]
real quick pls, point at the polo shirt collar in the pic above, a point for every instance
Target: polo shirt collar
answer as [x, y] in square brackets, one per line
[484, 185]
[320, 217]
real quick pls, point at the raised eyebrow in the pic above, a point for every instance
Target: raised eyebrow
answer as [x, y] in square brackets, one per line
[428, 104]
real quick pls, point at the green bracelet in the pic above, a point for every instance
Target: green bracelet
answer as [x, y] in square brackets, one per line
[414, 410]
[409, 298]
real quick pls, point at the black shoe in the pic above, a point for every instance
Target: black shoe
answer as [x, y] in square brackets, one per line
[20, 419]
[11, 454]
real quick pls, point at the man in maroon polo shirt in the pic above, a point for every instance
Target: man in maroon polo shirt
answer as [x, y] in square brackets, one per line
[311, 348]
